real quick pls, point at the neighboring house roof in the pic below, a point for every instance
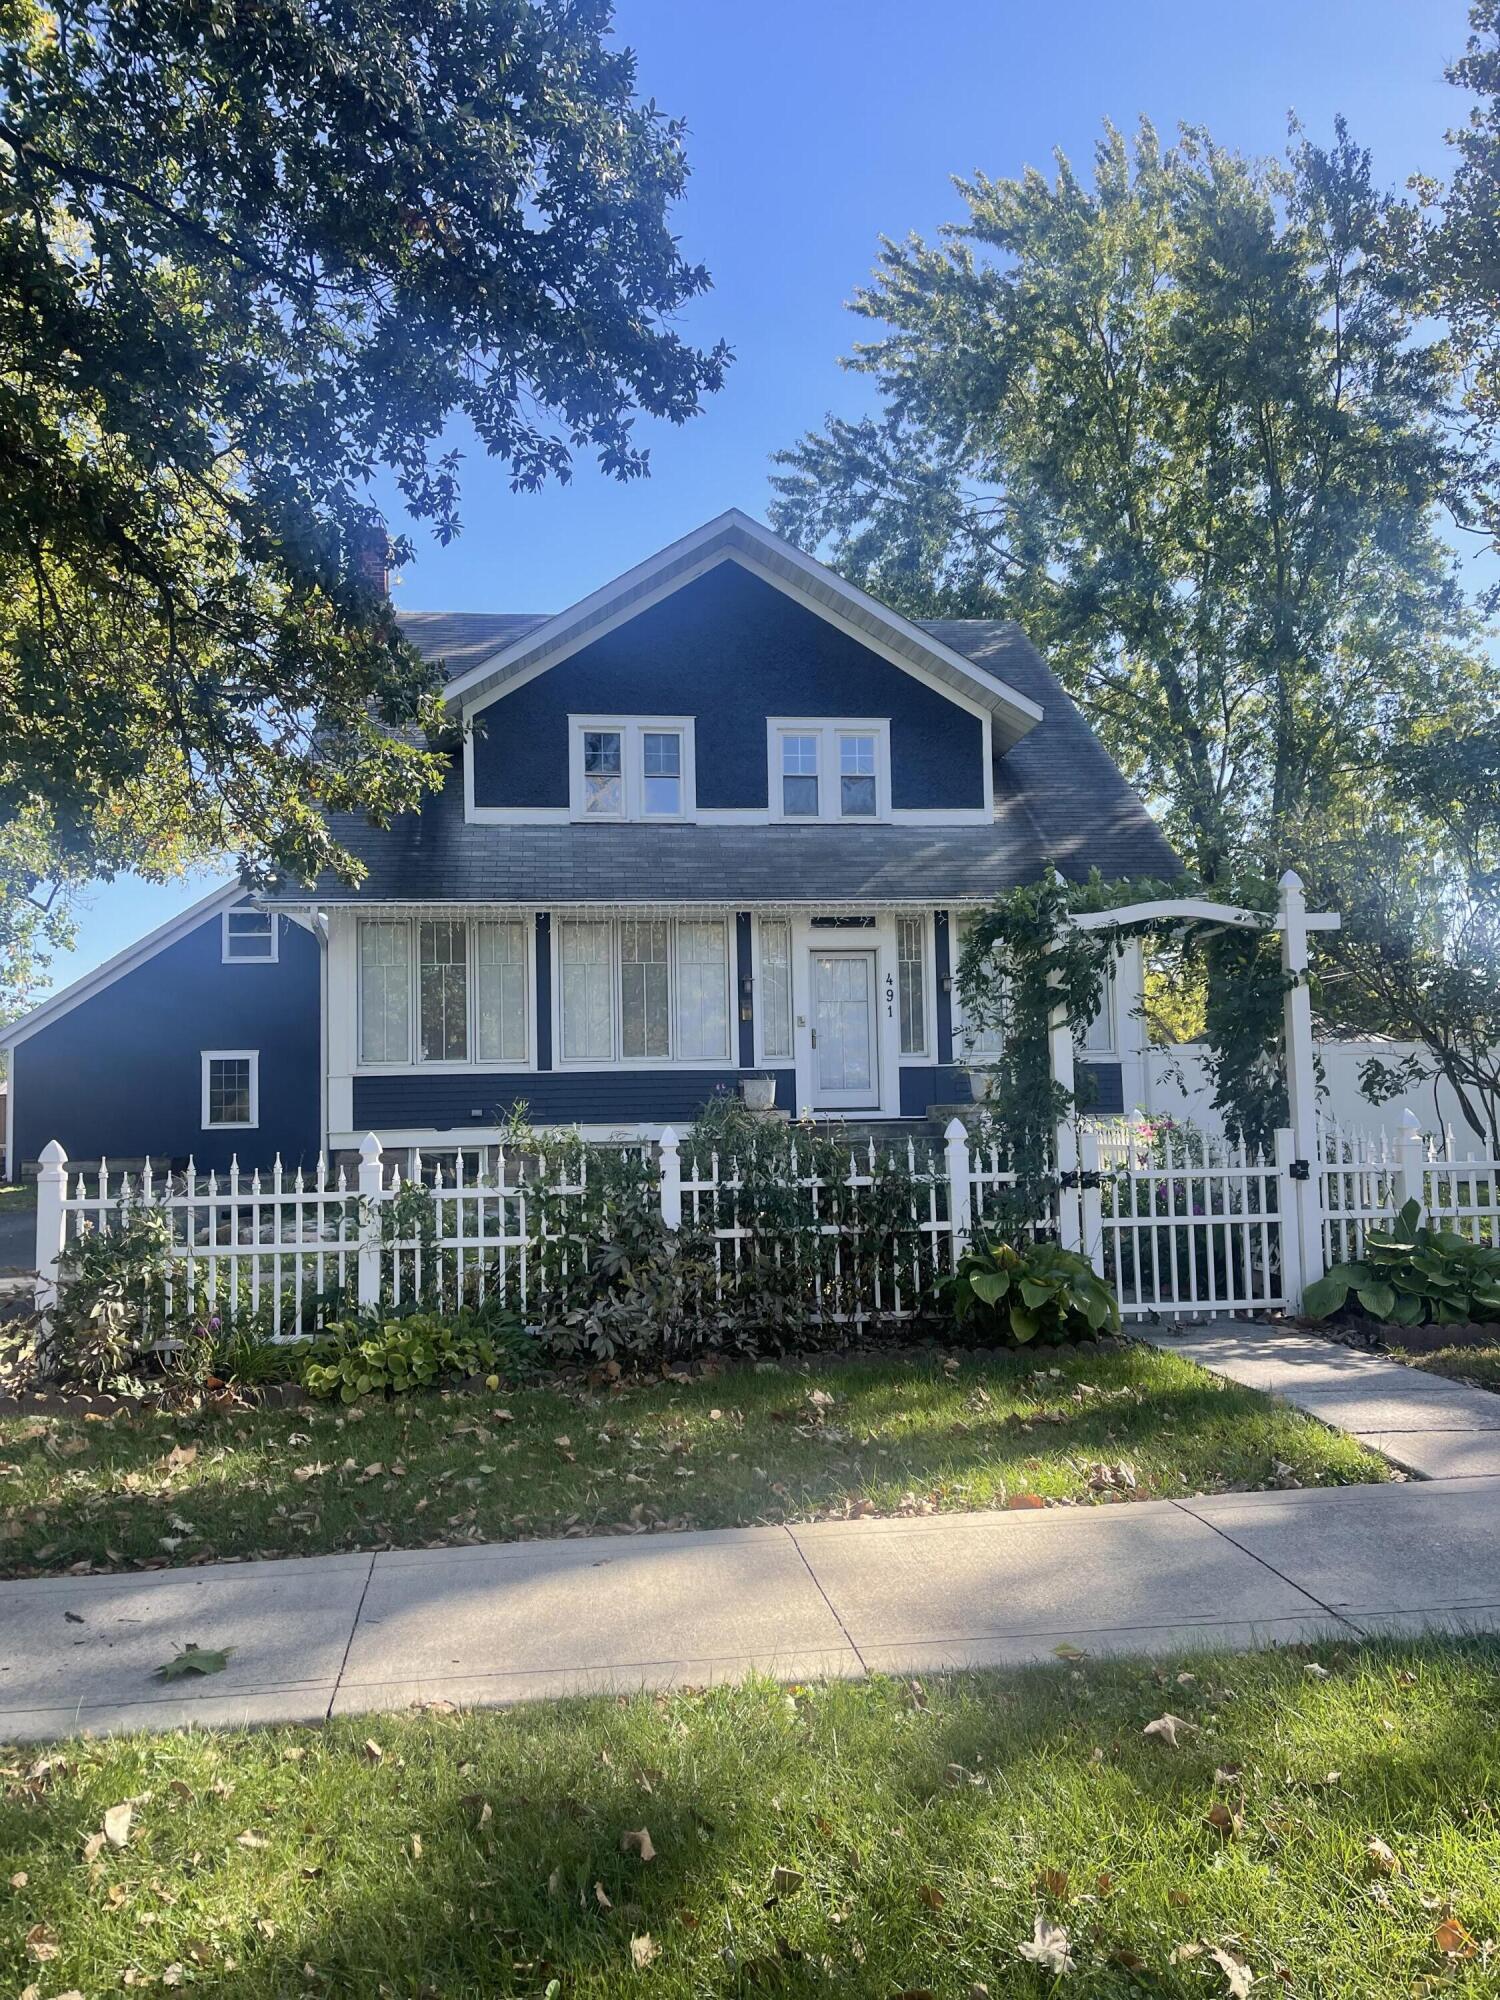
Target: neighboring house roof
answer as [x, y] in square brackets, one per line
[464, 639]
[69, 997]
[1059, 798]
[733, 536]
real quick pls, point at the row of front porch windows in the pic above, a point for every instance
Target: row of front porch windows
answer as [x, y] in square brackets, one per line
[456, 990]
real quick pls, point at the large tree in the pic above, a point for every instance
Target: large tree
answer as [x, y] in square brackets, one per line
[1187, 425]
[251, 251]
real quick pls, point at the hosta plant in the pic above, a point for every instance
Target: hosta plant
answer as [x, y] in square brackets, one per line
[1412, 1273]
[395, 1356]
[1003, 1294]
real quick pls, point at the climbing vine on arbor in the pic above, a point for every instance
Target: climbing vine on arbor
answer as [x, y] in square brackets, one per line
[1024, 962]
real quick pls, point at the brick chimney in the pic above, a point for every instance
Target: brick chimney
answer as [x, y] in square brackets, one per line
[372, 556]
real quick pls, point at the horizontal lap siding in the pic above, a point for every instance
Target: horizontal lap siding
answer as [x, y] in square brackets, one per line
[554, 1097]
[728, 649]
[121, 1073]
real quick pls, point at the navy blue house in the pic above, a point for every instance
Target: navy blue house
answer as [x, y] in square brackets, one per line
[726, 818]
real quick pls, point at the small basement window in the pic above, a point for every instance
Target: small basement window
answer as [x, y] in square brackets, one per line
[231, 1088]
[249, 937]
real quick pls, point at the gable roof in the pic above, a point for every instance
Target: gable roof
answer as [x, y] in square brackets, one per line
[735, 537]
[69, 997]
[1059, 798]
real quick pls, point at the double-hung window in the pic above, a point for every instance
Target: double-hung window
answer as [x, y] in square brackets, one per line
[443, 990]
[645, 990]
[631, 767]
[829, 770]
[500, 991]
[249, 937]
[231, 1088]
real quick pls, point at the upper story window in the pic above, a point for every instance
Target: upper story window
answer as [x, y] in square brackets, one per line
[249, 937]
[631, 767]
[829, 769]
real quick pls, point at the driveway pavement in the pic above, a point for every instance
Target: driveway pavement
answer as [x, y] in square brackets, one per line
[336, 1635]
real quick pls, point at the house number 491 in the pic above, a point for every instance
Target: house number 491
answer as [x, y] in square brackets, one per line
[890, 997]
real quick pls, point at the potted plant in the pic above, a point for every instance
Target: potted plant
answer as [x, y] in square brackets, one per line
[759, 1092]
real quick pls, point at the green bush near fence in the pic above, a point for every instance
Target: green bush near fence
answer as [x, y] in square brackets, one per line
[1411, 1274]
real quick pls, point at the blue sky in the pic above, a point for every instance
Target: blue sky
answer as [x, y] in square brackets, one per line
[814, 127]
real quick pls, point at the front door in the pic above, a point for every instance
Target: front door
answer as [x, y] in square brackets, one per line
[845, 1061]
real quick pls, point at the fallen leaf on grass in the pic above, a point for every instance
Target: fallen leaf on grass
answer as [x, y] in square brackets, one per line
[371, 1750]
[1453, 1940]
[933, 1898]
[1016, 1500]
[785, 1881]
[1382, 1859]
[42, 1944]
[1054, 1882]
[117, 1824]
[1068, 1652]
[1167, 1727]
[179, 1456]
[1048, 1947]
[601, 1898]
[1237, 1975]
[638, 1842]
[249, 1839]
[194, 1659]
[1224, 1821]
[1316, 1673]
[643, 1950]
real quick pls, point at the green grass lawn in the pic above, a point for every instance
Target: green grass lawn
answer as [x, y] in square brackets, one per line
[1479, 1365]
[16, 1195]
[1331, 1834]
[745, 1445]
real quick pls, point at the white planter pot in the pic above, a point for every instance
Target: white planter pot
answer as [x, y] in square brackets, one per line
[980, 1083]
[759, 1092]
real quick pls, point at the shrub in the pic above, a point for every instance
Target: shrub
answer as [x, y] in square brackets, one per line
[1005, 1295]
[111, 1308]
[1410, 1274]
[391, 1357]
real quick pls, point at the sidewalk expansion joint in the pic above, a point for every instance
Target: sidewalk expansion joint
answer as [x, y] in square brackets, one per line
[338, 1679]
[1290, 1582]
[817, 1583]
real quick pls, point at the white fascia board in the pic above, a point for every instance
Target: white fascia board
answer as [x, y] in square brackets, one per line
[820, 588]
[58, 1004]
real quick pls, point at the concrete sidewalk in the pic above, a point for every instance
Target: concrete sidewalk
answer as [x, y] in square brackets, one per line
[1422, 1422]
[335, 1635]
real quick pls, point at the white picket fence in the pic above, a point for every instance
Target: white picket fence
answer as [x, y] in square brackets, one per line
[1182, 1225]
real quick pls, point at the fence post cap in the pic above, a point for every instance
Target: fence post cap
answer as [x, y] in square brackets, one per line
[1410, 1122]
[369, 1147]
[955, 1129]
[52, 1154]
[668, 1136]
[1290, 880]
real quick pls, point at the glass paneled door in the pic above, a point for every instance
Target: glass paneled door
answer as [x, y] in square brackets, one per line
[845, 1060]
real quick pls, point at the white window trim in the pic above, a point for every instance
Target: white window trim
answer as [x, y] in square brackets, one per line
[412, 1063]
[828, 730]
[632, 729]
[252, 1056]
[228, 957]
[616, 1059]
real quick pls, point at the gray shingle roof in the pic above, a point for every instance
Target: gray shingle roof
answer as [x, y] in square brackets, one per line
[1059, 797]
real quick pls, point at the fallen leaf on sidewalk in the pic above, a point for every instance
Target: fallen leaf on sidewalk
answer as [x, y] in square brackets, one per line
[194, 1659]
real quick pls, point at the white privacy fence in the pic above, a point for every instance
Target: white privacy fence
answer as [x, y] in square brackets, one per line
[1179, 1223]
